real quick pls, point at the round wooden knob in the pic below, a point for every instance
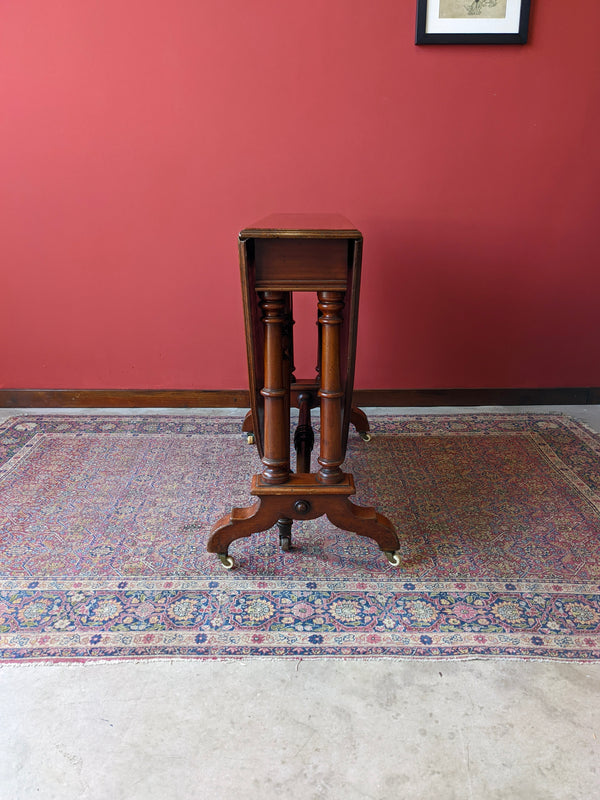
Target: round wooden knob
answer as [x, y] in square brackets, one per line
[302, 506]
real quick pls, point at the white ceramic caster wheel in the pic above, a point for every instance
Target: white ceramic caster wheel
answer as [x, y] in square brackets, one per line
[393, 556]
[227, 561]
[365, 436]
[251, 438]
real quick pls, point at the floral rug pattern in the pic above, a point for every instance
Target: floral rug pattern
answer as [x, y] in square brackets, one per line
[104, 522]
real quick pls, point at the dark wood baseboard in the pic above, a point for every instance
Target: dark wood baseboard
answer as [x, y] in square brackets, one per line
[239, 398]
[477, 397]
[123, 398]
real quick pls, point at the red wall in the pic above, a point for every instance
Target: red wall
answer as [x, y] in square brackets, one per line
[137, 138]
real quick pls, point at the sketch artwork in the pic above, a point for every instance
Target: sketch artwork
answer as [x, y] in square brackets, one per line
[464, 9]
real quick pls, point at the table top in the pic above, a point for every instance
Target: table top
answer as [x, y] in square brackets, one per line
[300, 226]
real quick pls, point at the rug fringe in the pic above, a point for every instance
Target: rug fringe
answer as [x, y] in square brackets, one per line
[245, 660]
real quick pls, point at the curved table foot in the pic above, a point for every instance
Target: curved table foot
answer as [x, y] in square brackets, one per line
[365, 522]
[358, 418]
[240, 522]
[248, 423]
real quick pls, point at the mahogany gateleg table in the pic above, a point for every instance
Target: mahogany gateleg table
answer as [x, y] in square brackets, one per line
[280, 255]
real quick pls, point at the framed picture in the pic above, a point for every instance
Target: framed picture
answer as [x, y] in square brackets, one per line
[472, 21]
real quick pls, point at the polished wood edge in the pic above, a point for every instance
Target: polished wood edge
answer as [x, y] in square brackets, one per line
[299, 285]
[302, 224]
[302, 483]
[300, 233]
[240, 398]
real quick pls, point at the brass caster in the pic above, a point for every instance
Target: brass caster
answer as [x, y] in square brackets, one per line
[285, 543]
[393, 556]
[365, 436]
[251, 438]
[226, 560]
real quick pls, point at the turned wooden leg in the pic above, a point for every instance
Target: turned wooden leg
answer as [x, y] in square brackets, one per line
[287, 370]
[319, 346]
[331, 305]
[276, 456]
[289, 334]
[304, 436]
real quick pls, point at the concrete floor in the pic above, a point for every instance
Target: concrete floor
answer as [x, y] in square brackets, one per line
[305, 729]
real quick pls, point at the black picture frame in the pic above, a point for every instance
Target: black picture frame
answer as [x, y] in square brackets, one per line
[472, 29]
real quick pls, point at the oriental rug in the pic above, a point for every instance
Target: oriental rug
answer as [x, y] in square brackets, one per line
[104, 522]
